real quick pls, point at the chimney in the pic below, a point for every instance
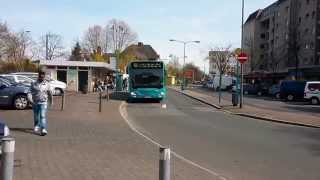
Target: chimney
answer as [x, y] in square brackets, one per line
[140, 44]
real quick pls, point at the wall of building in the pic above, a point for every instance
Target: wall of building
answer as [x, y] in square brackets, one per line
[273, 32]
[307, 31]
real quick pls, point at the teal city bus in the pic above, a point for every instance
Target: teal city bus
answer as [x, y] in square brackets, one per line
[147, 80]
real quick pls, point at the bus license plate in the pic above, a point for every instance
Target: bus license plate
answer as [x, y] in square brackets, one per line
[147, 97]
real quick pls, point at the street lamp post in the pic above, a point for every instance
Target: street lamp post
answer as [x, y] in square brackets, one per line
[184, 57]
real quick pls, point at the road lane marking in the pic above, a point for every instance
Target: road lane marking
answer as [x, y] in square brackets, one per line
[125, 116]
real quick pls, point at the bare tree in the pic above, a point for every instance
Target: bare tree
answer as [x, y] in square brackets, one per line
[51, 46]
[15, 45]
[221, 57]
[120, 35]
[174, 61]
[4, 34]
[95, 37]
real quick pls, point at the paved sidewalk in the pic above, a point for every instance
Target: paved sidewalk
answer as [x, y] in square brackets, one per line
[311, 119]
[84, 144]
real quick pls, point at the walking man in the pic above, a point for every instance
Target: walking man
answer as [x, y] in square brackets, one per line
[41, 94]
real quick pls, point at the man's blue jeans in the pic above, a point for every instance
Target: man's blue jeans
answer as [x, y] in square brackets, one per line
[40, 115]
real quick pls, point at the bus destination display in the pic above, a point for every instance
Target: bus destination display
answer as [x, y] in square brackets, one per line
[147, 65]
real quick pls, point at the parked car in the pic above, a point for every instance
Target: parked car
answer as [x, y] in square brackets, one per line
[292, 90]
[31, 75]
[255, 89]
[13, 94]
[312, 92]
[18, 78]
[58, 86]
[274, 91]
[250, 89]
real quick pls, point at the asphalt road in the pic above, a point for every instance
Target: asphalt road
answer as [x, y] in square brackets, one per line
[236, 147]
[266, 102]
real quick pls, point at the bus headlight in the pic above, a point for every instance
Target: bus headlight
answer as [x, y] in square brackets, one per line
[133, 94]
[162, 93]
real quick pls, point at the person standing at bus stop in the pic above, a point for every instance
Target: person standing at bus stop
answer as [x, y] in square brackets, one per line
[40, 95]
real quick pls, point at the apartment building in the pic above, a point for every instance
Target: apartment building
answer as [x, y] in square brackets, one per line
[283, 36]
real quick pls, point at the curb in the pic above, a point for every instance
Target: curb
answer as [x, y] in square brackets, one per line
[203, 101]
[273, 120]
[248, 115]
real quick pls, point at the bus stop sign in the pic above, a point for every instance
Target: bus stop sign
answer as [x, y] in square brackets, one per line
[242, 57]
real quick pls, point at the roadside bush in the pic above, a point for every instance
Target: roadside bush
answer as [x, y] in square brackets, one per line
[19, 66]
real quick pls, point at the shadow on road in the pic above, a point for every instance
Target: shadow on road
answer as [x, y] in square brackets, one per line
[119, 96]
[23, 130]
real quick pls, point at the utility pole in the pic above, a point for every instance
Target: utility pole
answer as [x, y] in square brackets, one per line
[47, 46]
[183, 68]
[241, 65]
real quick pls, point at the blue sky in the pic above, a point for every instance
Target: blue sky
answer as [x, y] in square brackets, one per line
[213, 22]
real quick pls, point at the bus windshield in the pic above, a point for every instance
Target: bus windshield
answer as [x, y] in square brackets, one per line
[147, 78]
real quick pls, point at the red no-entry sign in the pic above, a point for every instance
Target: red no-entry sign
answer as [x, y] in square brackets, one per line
[242, 57]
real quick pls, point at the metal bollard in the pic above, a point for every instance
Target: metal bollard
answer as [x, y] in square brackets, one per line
[7, 159]
[164, 164]
[62, 101]
[100, 101]
[108, 96]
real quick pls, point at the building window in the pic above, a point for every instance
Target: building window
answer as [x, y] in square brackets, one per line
[311, 60]
[267, 46]
[313, 14]
[51, 67]
[312, 45]
[83, 68]
[72, 67]
[307, 46]
[263, 36]
[299, 20]
[62, 67]
[306, 31]
[307, 15]
[262, 46]
[308, 1]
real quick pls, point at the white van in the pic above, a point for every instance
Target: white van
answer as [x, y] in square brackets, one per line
[226, 82]
[312, 92]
